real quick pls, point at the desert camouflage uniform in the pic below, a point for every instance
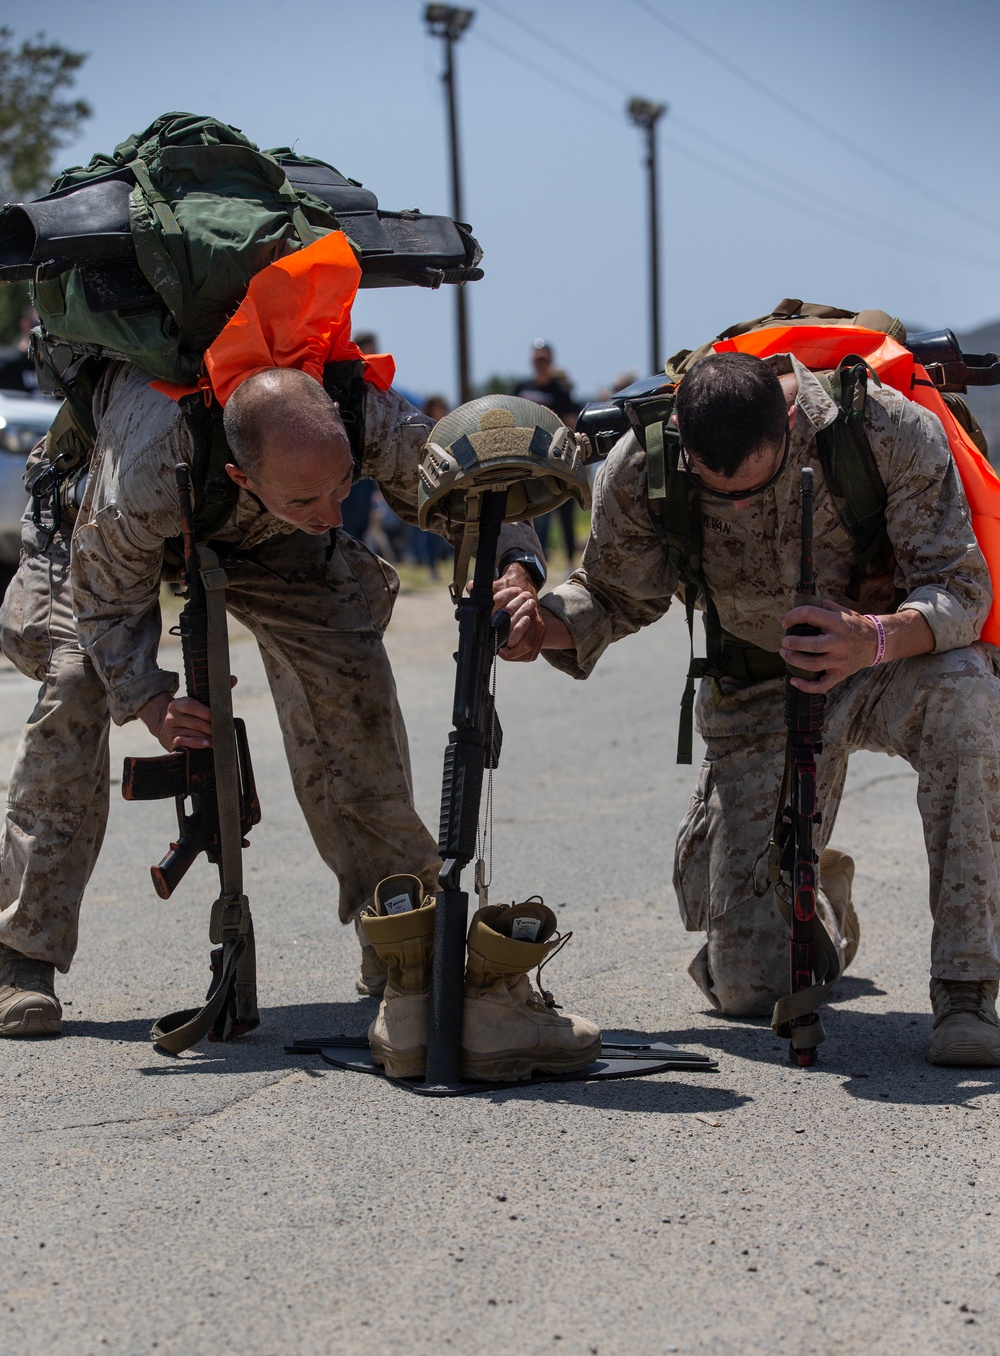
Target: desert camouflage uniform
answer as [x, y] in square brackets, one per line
[940, 711]
[317, 607]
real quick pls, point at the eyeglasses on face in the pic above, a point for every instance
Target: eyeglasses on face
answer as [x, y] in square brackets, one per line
[736, 494]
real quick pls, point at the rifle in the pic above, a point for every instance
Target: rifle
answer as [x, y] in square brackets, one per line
[473, 746]
[219, 785]
[792, 855]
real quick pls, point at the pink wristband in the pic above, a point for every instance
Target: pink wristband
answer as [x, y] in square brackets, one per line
[880, 631]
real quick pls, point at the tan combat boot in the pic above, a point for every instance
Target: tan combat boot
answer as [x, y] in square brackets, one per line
[400, 928]
[836, 876]
[509, 1030]
[966, 1027]
[372, 975]
[28, 1002]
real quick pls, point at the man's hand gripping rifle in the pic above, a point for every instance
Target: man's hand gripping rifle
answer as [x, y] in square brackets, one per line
[792, 857]
[218, 783]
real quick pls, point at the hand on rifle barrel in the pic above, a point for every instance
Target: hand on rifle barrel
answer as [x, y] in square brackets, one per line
[179, 722]
[516, 594]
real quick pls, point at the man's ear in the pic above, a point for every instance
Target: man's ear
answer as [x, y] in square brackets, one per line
[240, 477]
[793, 414]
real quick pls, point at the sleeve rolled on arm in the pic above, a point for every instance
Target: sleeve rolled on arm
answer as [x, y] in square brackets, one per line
[625, 580]
[939, 563]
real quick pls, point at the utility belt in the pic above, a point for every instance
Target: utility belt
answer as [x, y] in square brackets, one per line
[728, 657]
[745, 663]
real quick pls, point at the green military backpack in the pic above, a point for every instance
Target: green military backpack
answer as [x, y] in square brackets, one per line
[163, 243]
[143, 255]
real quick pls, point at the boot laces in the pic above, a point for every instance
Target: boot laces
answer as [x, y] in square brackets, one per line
[21, 972]
[964, 997]
[548, 998]
[968, 996]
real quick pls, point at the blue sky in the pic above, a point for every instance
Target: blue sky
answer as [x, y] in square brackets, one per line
[897, 205]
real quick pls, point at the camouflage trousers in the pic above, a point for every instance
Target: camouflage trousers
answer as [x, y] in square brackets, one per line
[941, 712]
[318, 618]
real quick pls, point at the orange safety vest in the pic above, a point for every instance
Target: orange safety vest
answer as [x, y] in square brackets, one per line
[296, 313]
[821, 347]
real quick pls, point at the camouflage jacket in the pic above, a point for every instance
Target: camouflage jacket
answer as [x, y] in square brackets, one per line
[130, 510]
[751, 554]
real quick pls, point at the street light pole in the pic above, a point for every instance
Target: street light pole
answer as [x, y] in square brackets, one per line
[646, 115]
[448, 23]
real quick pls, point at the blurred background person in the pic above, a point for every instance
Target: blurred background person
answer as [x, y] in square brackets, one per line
[551, 387]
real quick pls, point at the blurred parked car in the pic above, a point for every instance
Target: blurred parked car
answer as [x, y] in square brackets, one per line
[23, 420]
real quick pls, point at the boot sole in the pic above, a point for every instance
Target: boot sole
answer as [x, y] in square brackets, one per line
[967, 1054]
[514, 1066]
[31, 1022]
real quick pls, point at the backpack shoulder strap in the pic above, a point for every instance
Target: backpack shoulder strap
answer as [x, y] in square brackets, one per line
[674, 511]
[851, 470]
[215, 494]
[344, 382]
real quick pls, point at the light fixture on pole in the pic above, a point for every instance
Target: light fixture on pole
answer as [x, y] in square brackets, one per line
[646, 114]
[449, 23]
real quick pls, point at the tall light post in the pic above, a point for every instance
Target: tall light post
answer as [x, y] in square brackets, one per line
[646, 115]
[448, 23]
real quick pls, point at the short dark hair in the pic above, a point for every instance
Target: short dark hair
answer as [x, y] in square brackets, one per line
[728, 406]
[277, 400]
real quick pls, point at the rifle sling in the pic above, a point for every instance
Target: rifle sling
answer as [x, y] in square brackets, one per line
[231, 1007]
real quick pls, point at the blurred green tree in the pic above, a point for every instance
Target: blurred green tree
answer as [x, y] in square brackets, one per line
[34, 123]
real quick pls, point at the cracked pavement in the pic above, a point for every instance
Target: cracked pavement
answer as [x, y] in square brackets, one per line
[239, 1199]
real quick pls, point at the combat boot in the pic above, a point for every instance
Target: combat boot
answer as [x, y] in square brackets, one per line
[966, 1027]
[28, 1002]
[511, 1031]
[400, 928]
[836, 876]
[372, 975]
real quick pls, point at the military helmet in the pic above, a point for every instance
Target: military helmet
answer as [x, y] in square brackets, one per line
[500, 442]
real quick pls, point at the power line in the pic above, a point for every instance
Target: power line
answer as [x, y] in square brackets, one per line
[895, 232]
[773, 195]
[546, 75]
[892, 237]
[831, 133]
[589, 66]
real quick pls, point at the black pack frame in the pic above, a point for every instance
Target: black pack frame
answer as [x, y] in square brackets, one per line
[86, 227]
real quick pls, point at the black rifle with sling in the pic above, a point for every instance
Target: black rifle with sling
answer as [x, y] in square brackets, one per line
[218, 785]
[792, 859]
[473, 746]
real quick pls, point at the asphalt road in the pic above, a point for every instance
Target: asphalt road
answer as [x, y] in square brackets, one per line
[242, 1200]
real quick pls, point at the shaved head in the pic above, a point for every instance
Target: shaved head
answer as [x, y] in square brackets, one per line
[290, 448]
[280, 407]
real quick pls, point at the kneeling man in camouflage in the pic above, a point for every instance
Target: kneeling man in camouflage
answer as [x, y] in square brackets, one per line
[902, 666]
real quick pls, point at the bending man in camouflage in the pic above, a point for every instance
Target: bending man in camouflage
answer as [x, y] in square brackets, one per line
[316, 600]
[748, 427]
